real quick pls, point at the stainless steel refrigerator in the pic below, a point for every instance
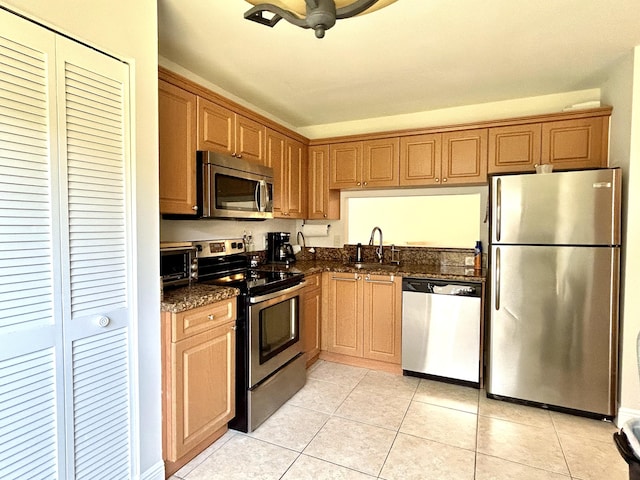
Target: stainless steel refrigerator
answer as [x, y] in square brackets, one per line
[554, 278]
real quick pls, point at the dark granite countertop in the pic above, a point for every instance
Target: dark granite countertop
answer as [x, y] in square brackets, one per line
[443, 272]
[176, 300]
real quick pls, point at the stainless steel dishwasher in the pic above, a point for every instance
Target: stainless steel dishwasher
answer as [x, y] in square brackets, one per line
[441, 329]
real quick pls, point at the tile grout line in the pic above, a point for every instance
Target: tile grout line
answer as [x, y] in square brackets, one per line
[398, 431]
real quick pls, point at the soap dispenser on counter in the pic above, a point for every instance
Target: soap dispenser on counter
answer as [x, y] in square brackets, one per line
[477, 256]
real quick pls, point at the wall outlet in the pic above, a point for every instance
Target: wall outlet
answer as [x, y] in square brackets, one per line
[468, 261]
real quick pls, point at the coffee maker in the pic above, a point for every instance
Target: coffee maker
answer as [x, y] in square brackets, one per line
[279, 250]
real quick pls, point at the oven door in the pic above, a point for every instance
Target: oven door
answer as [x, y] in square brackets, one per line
[274, 331]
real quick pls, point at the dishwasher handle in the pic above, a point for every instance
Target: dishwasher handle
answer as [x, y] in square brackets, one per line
[442, 287]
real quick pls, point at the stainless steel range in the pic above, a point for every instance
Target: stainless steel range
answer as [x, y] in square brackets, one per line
[270, 366]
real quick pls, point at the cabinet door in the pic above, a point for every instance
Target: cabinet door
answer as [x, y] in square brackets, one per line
[250, 140]
[514, 148]
[381, 163]
[580, 143]
[420, 159]
[345, 168]
[464, 157]
[203, 392]
[323, 203]
[382, 312]
[276, 160]
[343, 332]
[311, 315]
[177, 131]
[296, 179]
[216, 127]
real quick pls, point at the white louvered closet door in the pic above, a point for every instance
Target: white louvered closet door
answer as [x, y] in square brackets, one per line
[31, 354]
[65, 363]
[93, 121]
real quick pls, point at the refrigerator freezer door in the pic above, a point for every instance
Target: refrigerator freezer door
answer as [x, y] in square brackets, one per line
[564, 208]
[554, 326]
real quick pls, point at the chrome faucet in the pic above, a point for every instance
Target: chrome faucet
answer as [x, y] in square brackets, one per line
[379, 248]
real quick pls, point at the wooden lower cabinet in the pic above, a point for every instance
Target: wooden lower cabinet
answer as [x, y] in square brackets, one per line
[311, 318]
[363, 316]
[198, 380]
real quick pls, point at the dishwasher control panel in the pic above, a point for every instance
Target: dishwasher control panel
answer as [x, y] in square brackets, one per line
[441, 287]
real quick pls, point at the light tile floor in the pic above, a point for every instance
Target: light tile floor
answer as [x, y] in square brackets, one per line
[351, 423]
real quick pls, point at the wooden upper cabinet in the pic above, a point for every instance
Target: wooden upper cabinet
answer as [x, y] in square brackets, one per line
[222, 130]
[372, 163]
[323, 202]
[420, 159]
[275, 159]
[464, 157]
[288, 158]
[381, 163]
[296, 179]
[515, 148]
[250, 139]
[177, 160]
[216, 127]
[578, 143]
[345, 165]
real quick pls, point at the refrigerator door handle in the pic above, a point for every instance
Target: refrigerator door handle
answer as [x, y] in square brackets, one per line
[497, 281]
[498, 208]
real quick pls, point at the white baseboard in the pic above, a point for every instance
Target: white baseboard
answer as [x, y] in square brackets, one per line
[156, 472]
[625, 414]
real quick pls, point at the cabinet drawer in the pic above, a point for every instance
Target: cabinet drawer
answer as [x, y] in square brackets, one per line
[313, 281]
[201, 319]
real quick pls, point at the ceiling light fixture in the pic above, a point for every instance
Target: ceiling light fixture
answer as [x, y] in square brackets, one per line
[320, 15]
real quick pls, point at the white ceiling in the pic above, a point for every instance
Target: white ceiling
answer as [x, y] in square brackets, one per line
[413, 56]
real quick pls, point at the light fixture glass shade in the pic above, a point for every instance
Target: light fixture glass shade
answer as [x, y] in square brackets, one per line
[299, 7]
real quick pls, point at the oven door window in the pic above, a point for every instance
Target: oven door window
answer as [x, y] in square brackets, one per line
[278, 328]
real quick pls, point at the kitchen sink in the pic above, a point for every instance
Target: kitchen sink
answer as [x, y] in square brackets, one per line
[374, 266]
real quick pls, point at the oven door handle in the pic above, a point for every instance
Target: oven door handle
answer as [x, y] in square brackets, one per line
[279, 293]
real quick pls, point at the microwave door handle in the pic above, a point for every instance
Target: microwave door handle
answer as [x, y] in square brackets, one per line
[256, 196]
[262, 204]
[207, 185]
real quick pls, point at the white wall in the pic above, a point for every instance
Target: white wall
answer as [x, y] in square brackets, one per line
[449, 116]
[622, 91]
[128, 30]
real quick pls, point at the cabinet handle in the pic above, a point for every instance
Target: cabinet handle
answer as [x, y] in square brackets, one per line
[383, 282]
[535, 164]
[444, 179]
[365, 184]
[194, 208]
[234, 327]
[358, 183]
[210, 317]
[355, 278]
[324, 215]
[239, 155]
[437, 180]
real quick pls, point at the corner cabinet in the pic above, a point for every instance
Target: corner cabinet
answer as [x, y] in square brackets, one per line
[324, 204]
[363, 316]
[177, 112]
[198, 357]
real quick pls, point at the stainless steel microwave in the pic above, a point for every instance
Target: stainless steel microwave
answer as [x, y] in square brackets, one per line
[231, 187]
